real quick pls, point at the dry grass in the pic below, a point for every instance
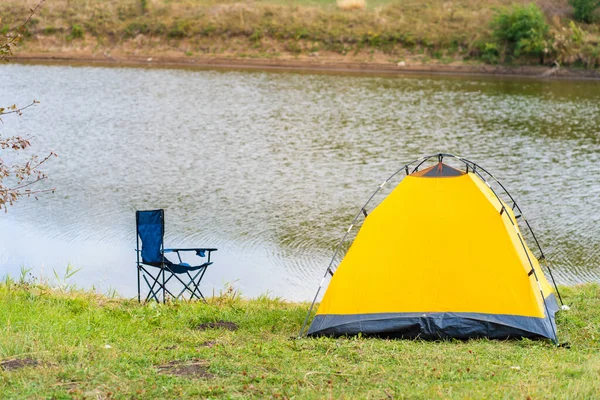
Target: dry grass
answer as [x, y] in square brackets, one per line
[439, 29]
[351, 4]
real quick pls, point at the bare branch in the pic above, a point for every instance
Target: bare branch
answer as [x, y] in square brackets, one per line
[6, 47]
[32, 13]
[16, 110]
[23, 174]
[15, 143]
[18, 188]
[52, 154]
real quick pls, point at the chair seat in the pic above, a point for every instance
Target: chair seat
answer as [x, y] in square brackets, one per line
[180, 268]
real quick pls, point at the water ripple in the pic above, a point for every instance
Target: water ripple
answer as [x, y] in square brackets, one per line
[272, 167]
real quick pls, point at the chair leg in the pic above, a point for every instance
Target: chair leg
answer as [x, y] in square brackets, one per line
[154, 293]
[196, 285]
[186, 286]
[159, 282]
[165, 286]
[197, 288]
[191, 282]
[151, 291]
[162, 269]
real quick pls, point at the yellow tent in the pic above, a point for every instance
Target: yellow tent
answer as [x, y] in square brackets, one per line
[442, 256]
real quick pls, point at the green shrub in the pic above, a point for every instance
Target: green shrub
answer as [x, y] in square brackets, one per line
[208, 30]
[136, 28]
[523, 29]
[293, 47]
[301, 33]
[50, 30]
[577, 35]
[180, 29]
[490, 53]
[256, 35]
[584, 9]
[77, 32]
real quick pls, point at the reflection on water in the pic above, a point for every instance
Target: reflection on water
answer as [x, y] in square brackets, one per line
[271, 167]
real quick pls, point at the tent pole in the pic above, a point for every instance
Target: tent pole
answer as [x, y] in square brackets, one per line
[339, 246]
[546, 307]
[311, 306]
[524, 219]
[553, 281]
[515, 226]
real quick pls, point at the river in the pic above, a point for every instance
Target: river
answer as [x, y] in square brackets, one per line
[270, 167]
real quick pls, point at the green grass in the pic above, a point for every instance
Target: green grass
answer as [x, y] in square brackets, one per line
[69, 334]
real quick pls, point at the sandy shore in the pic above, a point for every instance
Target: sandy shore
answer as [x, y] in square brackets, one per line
[307, 64]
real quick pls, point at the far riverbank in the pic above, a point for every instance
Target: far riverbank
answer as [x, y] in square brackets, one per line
[541, 38]
[330, 63]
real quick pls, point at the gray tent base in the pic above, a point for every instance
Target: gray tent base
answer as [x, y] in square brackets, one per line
[433, 326]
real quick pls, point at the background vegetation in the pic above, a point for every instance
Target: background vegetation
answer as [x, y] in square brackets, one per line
[446, 31]
[61, 343]
[584, 10]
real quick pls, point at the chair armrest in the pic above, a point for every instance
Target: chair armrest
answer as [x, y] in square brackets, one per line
[200, 251]
[190, 249]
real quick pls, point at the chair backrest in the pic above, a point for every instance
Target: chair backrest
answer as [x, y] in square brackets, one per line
[150, 226]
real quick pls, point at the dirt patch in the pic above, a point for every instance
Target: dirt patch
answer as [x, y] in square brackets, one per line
[192, 369]
[553, 8]
[218, 325]
[17, 363]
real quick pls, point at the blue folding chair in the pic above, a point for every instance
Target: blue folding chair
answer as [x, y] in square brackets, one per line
[156, 270]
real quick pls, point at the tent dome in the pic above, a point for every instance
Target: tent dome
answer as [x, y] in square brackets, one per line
[442, 256]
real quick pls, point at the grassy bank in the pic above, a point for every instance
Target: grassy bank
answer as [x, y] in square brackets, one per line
[385, 32]
[75, 344]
